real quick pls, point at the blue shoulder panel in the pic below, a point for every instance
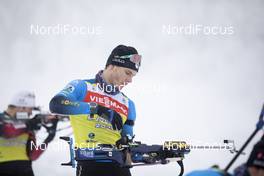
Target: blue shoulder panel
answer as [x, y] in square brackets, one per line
[128, 129]
[70, 100]
[75, 90]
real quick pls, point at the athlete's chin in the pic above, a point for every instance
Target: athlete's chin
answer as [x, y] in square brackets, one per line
[121, 87]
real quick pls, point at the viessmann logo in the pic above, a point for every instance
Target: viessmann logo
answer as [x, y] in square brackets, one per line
[107, 102]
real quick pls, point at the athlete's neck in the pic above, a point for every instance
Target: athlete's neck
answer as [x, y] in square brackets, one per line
[106, 76]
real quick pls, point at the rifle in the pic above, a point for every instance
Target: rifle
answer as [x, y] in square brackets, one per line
[45, 119]
[131, 155]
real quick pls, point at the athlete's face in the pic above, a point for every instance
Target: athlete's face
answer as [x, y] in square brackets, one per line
[121, 76]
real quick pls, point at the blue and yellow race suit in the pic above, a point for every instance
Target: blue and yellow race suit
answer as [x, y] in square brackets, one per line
[90, 130]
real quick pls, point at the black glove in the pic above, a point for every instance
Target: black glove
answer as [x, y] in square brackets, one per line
[34, 123]
[51, 131]
[116, 121]
[124, 140]
[110, 115]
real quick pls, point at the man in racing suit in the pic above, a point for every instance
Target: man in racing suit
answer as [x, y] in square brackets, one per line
[253, 167]
[255, 163]
[17, 138]
[99, 112]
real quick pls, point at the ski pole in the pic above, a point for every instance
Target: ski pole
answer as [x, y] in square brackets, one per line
[259, 126]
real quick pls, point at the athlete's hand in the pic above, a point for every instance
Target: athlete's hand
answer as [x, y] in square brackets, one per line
[122, 141]
[116, 121]
[34, 123]
[111, 115]
[51, 130]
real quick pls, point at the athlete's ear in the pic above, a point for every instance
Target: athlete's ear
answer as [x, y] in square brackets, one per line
[110, 67]
[115, 69]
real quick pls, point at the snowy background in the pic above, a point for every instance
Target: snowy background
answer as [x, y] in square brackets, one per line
[202, 88]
